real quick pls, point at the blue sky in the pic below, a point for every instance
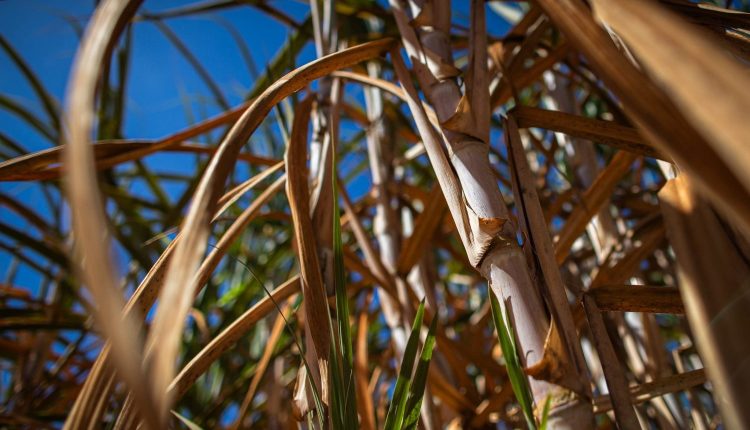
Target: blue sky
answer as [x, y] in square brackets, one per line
[160, 78]
[159, 74]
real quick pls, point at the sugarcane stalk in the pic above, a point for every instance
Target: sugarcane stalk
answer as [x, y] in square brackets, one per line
[466, 179]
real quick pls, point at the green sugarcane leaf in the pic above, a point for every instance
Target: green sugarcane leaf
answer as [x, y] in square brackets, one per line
[344, 408]
[518, 380]
[189, 424]
[416, 392]
[395, 417]
[545, 413]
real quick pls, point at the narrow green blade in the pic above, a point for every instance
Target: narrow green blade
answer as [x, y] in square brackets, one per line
[346, 395]
[395, 417]
[416, 393]
[189, 424]
[545, 413]
[518, 380]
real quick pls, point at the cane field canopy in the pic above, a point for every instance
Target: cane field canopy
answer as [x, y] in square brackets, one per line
[375, 214]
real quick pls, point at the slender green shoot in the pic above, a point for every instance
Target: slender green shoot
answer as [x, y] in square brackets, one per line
[188, 423]
[395, 418]
[518, 379]
[545, 413]
[419, 382]
[343, 397]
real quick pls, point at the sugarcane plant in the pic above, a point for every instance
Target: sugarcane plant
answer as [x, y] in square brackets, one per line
[552, 231]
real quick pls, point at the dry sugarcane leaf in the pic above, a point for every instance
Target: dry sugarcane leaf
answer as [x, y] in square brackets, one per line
[707, 86]
[713, 279]
[591, 202]
[477, 78]
[356, 114]
[495, 402]
[638, 298]
[554, 366]
[265, 359]
[324, 141]
[313, 288]
[408, 34]
[502, 92]
[209, 264]
[463, 120]
[447, 393]
[628, 265]
[425, 227]
[408, 191]
[166, 331]
[32, 166]
[709, 13]
[96, 388]
[45, 164]
[190, 147]
[424, 17]
[606, 132]
[202, 127]
[89, 224]
[385, 86]
[522, 27]
[729, 26]
[659, 387]
[726, 24]
[353, 263]
[515, 64]
[361, 371]
[559, 351]
[230, 335]
[652, 111]
[613, 370]
[371, 257]
[212, 260]
[231, 197]
[439, 69]
[457, 362]
[497, 52]
[301, 403]
[500, 52]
